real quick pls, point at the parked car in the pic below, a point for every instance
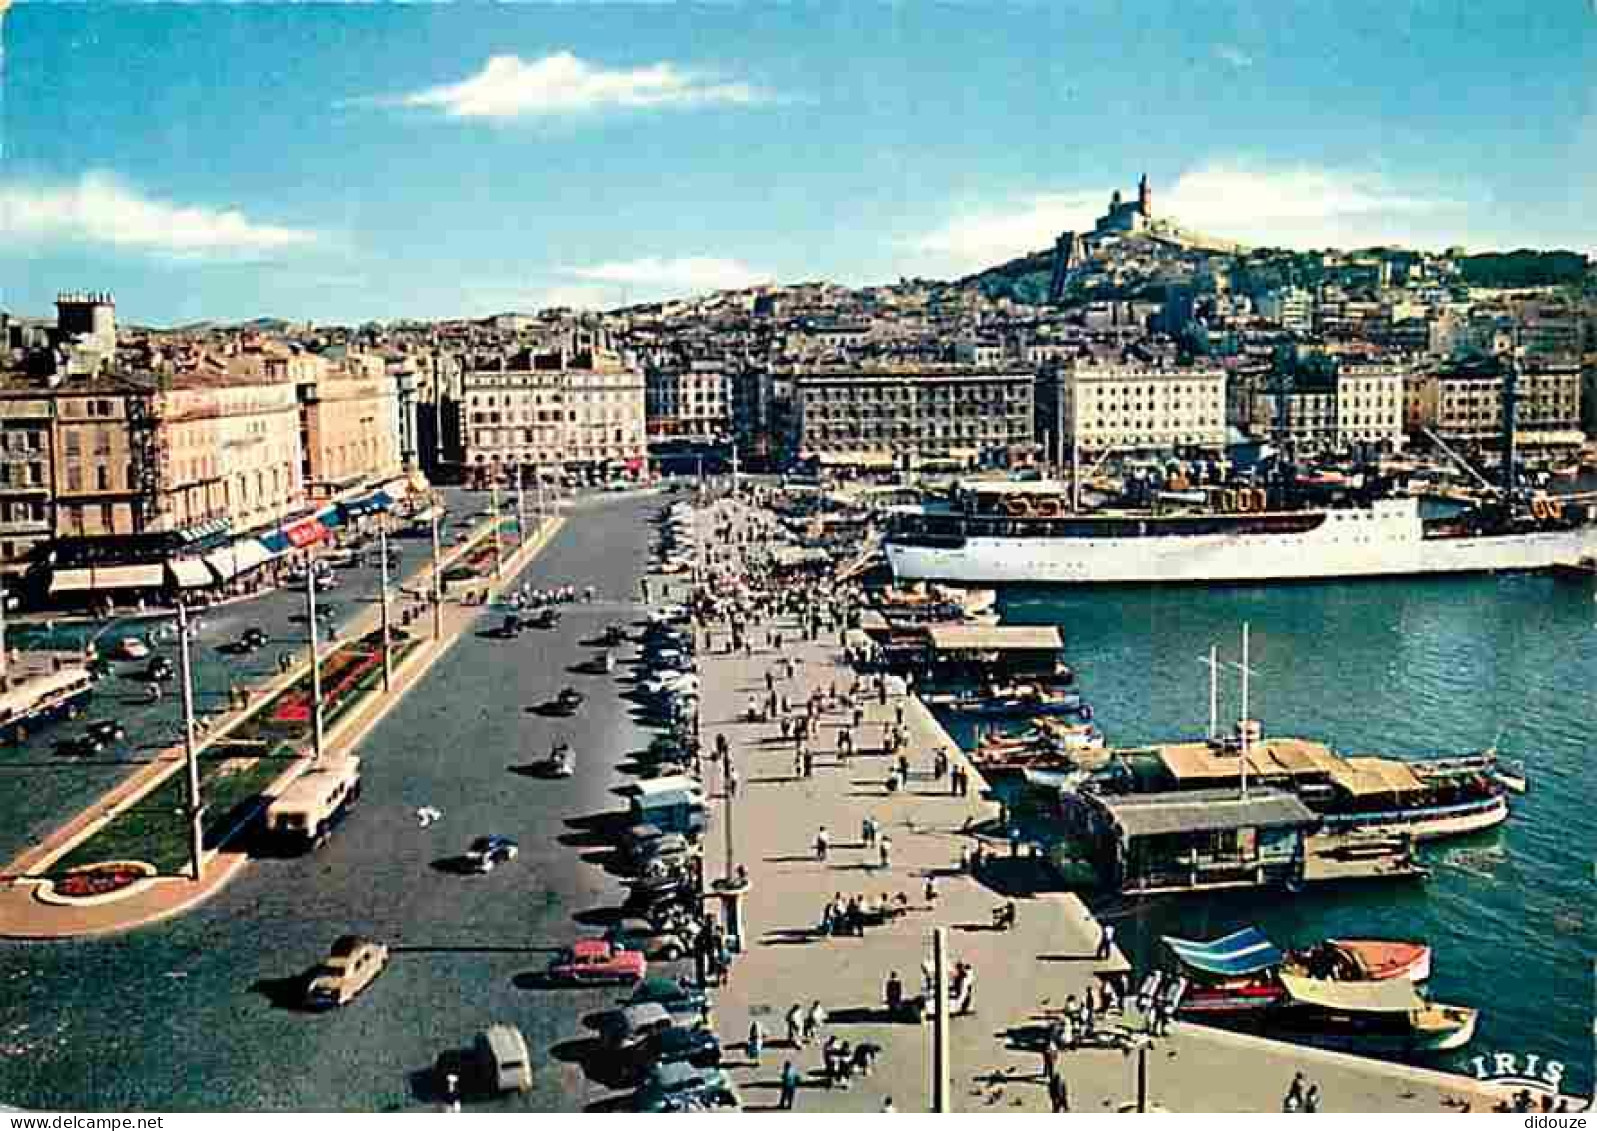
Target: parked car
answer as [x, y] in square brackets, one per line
[254, 638]
[159, 668]
[106, 731]
[675, 994]
[679, 1086]
[595, 960]
[639, 935]
[698, 1047]
[130, 648]
[78, 746]
[497, 1062]
[351, 966]
[488, 852]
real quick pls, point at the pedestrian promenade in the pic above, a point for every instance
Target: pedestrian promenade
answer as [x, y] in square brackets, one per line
[1019, 975]
[24, 916]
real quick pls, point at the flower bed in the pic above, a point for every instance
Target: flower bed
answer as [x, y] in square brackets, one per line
[90, 883]
[340, 675]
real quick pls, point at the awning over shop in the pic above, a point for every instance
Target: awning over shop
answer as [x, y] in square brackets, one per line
[109, 577]
[200, 531]
[306, 532]
[375, 503]
[71, 581]
[190, 573]
[331, 518]
[238, 557]
[276, 542]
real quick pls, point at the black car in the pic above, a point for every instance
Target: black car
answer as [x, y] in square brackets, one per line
[698, 1047]
[82, 746]
[106, 731]
[253, 639]
[159, 668]
[546, 617]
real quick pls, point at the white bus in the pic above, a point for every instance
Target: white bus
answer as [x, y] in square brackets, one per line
[312, 805]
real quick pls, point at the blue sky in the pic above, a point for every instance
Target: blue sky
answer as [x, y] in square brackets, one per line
[430, 160]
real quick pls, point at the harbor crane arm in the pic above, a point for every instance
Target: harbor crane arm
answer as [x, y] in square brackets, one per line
[1460, 461]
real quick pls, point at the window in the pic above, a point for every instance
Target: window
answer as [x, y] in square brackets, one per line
[74, 442]
[102, 478]
[74, 479]
[107, 517]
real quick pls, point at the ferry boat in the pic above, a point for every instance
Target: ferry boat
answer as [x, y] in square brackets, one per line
[1007, 533]
[37, 700]
[1420, 799]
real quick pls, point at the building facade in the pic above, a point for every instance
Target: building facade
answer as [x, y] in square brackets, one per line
[689, 402]
[1466, 402]
[576, 413]
[349, 432]
[884, 417]
[1134, 407]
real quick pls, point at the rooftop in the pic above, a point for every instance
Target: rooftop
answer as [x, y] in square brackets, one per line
[995, 638]
[1205, 810]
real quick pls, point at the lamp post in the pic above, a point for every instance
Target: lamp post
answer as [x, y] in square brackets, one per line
[521, 503]
[316, 658]
[942, 1070]
[388, 652]
[195, 807]
[438, 581]
[498, 548]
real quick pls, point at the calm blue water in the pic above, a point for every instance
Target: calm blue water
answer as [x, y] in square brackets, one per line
[1400, 667]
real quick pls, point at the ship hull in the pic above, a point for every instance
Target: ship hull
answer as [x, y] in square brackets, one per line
[1385, 541]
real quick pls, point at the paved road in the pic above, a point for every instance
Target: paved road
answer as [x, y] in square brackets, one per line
[38, 790]
[181, 1016]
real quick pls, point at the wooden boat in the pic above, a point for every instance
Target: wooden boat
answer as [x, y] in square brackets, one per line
[1243, 971]
[1369, 1017]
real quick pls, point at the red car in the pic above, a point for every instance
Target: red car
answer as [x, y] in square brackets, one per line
[595, 960]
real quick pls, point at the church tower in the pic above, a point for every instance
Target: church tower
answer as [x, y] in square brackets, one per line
[1144, 198]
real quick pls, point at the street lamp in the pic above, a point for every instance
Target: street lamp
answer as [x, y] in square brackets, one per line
[498, 548]
[195, 807]
[388, 653]
[316, 659]
[438, 579]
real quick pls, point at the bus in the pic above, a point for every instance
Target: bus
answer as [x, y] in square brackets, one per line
[41, 699]
[311, 806]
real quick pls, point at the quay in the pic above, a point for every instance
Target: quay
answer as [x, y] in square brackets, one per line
[1020, 975]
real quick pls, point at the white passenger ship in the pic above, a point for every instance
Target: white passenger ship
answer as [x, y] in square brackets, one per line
[996, 533]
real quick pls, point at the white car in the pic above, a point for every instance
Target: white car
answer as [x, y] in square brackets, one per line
[131, 648]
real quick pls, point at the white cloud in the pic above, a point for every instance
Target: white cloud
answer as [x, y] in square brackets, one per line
[986, 236]
[99, 209]
[690, 274]
[562, 84]
[1305, 206]
[1294, 206]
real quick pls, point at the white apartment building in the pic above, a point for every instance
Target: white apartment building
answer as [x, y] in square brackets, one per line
[690, 402]
[1142, 408]
[1291, 308]
[577, 413]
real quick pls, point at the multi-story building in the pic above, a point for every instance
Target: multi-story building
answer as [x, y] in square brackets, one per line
[27, 472]
[579, 412]
[1354, 404]
[883, 417]
[348, 431]
[1129, 406]
[1291, 308]
[1465, 401]
[688, 400]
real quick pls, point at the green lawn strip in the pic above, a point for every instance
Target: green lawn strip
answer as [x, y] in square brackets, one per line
[153, 829]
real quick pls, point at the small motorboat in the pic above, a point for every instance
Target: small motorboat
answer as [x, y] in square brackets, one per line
[607, 662]
[562, 762]
[1369, 1017]
[614, 635]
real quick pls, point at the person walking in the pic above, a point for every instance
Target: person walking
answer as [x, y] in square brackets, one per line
[1106, 942]
[1293, 1101]
[790, 1084]
[1058, 1092]
[814, 1021]
[756, 1042]
[795, 1026]
[893, 995]
[884, 851]
[1311, 1099]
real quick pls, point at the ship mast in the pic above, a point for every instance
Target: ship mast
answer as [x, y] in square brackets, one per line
[1244, 723]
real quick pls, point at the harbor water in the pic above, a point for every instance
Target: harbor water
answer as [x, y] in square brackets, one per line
[1402, 667]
